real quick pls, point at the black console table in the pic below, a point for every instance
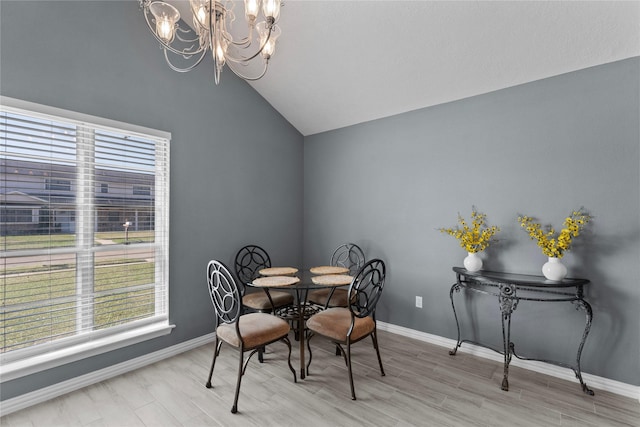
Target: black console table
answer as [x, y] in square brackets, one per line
[510, 290]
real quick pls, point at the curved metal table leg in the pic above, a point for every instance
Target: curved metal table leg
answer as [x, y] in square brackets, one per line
[582, 304]
[506, 338]
[455, 287]
[508, 303]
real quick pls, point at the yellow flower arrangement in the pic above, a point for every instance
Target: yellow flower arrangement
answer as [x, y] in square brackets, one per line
[556, 245]
[474, 238]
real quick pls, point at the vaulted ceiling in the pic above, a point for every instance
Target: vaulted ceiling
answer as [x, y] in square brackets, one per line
[340, 63]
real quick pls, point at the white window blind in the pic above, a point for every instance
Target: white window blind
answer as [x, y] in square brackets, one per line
[79, 264]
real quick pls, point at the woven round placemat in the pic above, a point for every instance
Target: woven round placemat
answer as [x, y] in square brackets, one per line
[332, 279]
[275, 281]
[278, 271]
[328, 269]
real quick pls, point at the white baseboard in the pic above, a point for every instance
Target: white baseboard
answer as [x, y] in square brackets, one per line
[29, 399]
[592, 381]
[33, 398]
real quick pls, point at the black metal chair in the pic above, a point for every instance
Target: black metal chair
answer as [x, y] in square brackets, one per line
[248, 263]
[348, 325]
[348, 255]
[244, 332]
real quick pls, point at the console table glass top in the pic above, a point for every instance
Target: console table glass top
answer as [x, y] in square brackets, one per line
[520, 279]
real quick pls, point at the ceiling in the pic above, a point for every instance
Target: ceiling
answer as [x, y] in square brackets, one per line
[340, 63]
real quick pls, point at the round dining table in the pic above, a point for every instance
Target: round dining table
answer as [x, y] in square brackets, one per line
[300, 282]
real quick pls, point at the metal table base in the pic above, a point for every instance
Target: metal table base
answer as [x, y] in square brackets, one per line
[510, 290]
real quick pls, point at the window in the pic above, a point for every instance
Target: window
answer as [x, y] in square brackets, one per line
[57, 184]
[77, 281]
[16, 215]
[139, 190]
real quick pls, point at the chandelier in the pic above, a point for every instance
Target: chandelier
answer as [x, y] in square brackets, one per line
[211, 29]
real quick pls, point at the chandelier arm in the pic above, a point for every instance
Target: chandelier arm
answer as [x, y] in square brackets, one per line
[236, 60]
[186, 69]
[197, 37]
[199, 26]
[230, 58]
[245, 77]
[165, 46]
[244, 43]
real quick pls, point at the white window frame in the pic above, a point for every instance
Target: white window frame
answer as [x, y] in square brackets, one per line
[27, 361]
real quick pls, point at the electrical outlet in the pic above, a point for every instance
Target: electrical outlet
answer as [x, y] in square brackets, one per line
[419, 302]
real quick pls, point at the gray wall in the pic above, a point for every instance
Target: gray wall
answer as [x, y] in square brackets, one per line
[541, 149]
[236, 163]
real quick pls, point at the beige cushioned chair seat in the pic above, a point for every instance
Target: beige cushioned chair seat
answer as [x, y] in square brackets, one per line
[338, 299]
[334, 323]
[257, 329]
[260, 301]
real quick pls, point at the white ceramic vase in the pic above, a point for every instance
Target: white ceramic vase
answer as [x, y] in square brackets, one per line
[554, 269]
[472, 262]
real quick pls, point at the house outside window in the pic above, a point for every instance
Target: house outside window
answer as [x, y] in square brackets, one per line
[91, 285]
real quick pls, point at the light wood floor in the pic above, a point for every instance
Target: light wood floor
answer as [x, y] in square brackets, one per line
[424, 386]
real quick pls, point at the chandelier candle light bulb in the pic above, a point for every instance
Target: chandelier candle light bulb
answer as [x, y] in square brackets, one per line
[221, 50]
[251, 10]
[268, 39]
[202, 16]
[270, 9]
[166, 17]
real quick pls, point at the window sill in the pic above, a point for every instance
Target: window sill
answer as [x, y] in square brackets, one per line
[31, 365]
